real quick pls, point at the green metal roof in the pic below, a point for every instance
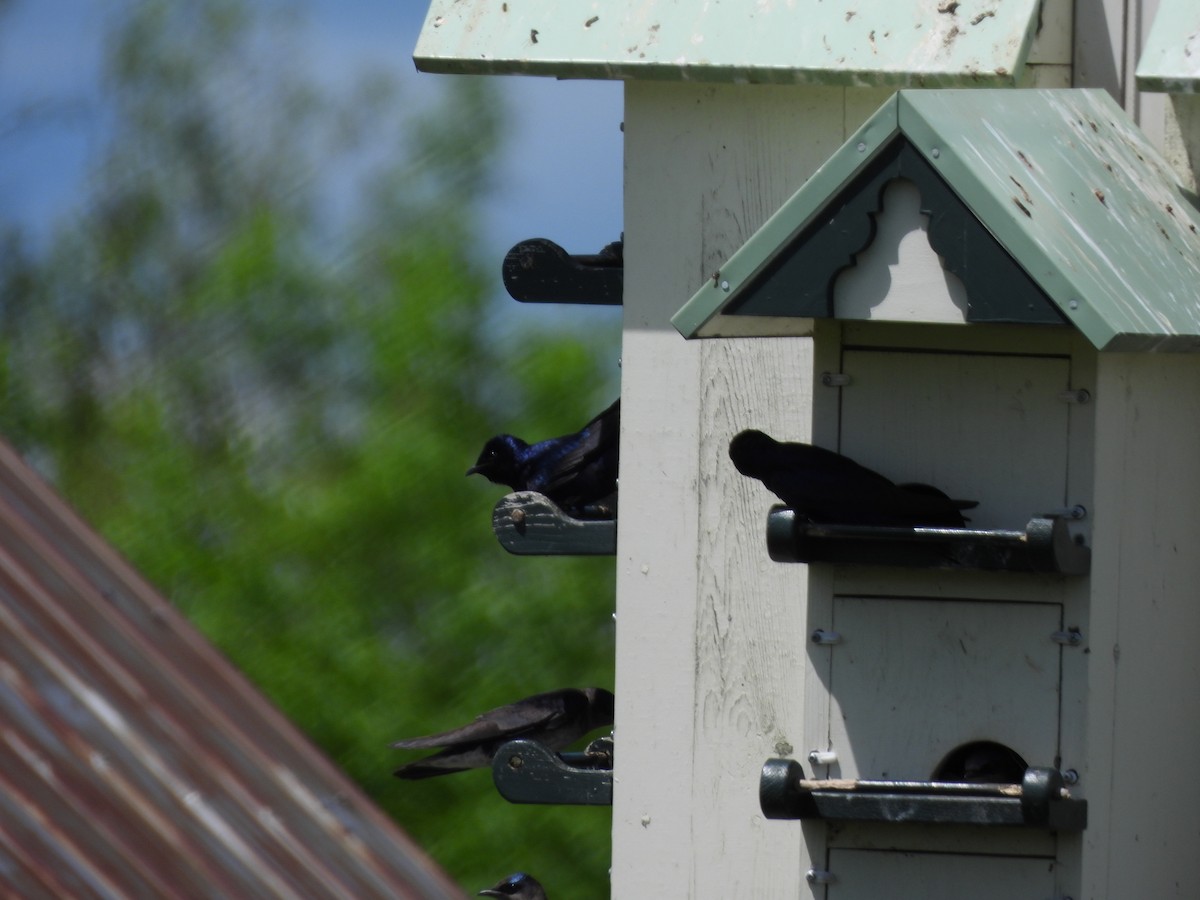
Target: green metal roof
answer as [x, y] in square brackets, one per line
[868, 42]
[1171, 60]
[1062, 180]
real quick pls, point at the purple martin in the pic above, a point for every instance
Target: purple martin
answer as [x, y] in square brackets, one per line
[829, 488]
[981, 762]
[555, 719]
[518, 885]
[577, 471]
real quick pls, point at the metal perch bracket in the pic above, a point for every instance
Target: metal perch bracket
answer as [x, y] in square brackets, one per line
[1046, 545]
[529, 524]
[527, 772]
[540, 271]
[1041, 800]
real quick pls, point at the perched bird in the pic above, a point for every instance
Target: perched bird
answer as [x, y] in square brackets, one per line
[830, 488]
[981, 762]
[555, 719]
[577, 471]
[519, 885]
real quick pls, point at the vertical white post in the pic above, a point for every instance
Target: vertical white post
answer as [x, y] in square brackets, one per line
[710, 642]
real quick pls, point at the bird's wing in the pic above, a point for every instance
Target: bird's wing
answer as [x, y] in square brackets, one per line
[820, 482]
[760, 456]
[928, 490]
[820, 461]
[536, 712]
[597, 441]
[610, 416]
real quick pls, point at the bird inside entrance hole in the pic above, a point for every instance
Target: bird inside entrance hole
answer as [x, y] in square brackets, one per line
[981, 762]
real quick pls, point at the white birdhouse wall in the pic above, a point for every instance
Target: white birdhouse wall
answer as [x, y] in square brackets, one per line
[959, 421]
[1142, 724]
[711, 641]
[928, 660]
[715, 669]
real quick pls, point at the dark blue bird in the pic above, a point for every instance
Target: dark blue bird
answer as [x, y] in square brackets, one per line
[519, 885]
[829, 488]
[555, 719]
[577, 471]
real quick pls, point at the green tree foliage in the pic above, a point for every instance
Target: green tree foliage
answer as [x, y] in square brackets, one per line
[270, 413]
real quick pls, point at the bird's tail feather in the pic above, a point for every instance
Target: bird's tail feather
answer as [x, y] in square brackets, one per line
[918, 487]
[423, 768]
[422, 743]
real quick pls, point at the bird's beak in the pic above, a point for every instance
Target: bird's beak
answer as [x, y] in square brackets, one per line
[489, 892]
[473, 470]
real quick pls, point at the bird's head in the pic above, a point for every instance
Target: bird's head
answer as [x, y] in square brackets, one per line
[749, 450]
[601, 705]
[498, 460]
[518, 885]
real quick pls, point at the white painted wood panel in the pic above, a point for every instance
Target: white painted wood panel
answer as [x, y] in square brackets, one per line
[984, 427]
[1046, 76]
[656, 533]
[1099, 57]
[750, 638]
[899, 277]
[928, 838]
[872, 875]
[711, 635]
[914, 679]
[950, 409]
[1052, 43]
[1148, 108]
[1143, 725]
[709, 643]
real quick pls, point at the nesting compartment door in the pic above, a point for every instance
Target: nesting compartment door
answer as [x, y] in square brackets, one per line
[990, 427]
[871, 875]
[913, 679]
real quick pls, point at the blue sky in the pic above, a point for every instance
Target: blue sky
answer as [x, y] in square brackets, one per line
[559, 175]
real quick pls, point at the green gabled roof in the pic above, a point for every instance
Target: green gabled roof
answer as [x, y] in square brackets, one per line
[871, 42]
[1171, 60]
[1062, 181]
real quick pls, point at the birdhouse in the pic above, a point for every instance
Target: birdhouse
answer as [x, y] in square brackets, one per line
[1003, 289]
[989, 291]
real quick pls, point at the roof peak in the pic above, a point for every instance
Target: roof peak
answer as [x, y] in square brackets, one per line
[1053, 190]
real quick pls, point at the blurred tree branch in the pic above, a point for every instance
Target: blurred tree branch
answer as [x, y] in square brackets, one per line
[270, 412]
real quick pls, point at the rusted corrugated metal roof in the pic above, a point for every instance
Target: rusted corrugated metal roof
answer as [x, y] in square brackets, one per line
[136, 761]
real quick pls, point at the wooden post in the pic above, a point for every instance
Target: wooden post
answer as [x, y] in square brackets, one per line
[710, 634]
